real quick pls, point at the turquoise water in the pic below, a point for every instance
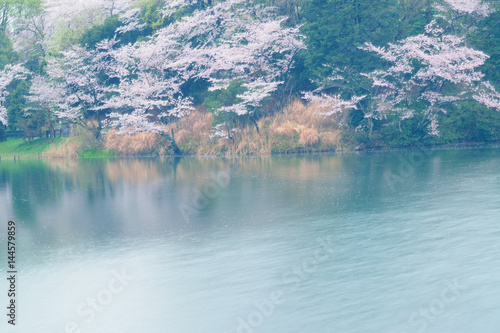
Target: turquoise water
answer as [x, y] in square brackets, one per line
[369, 242]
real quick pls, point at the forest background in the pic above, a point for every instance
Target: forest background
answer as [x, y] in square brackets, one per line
[246, 76]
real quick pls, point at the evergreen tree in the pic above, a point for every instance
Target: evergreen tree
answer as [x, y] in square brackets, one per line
[336, 28]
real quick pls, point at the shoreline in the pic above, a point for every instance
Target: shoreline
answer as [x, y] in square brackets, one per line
[104, 154]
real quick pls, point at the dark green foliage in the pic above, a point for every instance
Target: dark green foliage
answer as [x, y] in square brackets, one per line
[487, 39]
[471, 122]
[336, 28]
[196, 89]
[353, 139]
[414, 15]
[7, 54]
[405, 133]
[36, 65]
[224, 97]
[16, 102]
[107, 30]
[300, 78]
[30, 122]
[356, 117]
[3, 136]
[98, 33]
[151, 15]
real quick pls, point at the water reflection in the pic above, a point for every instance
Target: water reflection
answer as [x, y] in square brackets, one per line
[105, 198]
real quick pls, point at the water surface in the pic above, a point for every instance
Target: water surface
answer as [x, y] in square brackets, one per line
[369, 242]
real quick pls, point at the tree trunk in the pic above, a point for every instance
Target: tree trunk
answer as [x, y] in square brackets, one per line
[256, 125]
[173, 144]
[176, 148]
[370, 127]
[97, 131]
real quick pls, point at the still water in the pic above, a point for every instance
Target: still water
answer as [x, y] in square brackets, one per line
[370, 242]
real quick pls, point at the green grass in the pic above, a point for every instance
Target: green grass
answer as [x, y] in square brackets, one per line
[22, 148]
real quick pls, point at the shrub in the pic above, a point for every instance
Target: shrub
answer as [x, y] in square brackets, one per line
[309, 137]
[138, 143]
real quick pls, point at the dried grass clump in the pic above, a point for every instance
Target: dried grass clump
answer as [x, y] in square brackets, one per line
[198, 123]
[249, 142]
[137, 143]
[298, 128]
[289, 129]
[202, 126]
[330, 140]
[182, 136]
[309, 116]
[192, 133]
[67, 148]
[223, 146]
[309, 137]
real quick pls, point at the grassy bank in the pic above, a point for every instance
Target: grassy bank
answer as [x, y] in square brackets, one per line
[298, 128]
[39, 148]
[23, 149]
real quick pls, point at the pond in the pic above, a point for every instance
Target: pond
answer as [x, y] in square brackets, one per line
[403, 241]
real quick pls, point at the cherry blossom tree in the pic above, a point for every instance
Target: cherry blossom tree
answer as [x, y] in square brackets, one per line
[86, 79]
[226, 42]
[469, 7]
[487, 95]
[232, 41]
[130, 21]
[147, 98]
[67, 8]
[460, 17]
[29, 36]
[333, 104]
[352, 92]
[249, 101]
[426, 73]
[154, 102]
[67, 20]
[24, 23]
[45, 97]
